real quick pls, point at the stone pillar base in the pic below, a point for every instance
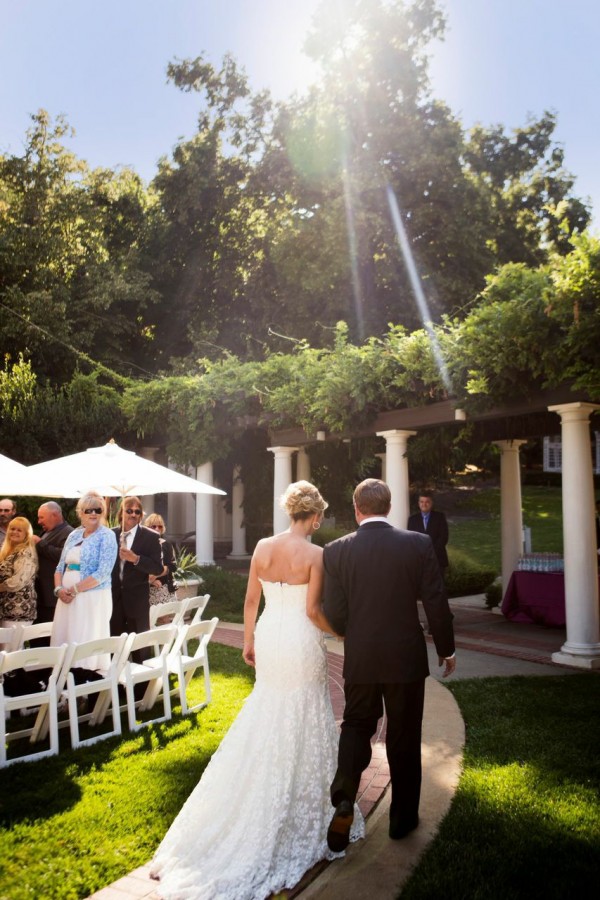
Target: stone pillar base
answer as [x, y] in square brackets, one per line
[578, 662]
[238, 556]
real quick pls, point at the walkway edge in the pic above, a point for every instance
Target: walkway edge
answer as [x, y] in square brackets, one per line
[372, 866]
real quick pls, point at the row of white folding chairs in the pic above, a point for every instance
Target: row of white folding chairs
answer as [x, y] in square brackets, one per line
[190, 609]
[165, 643]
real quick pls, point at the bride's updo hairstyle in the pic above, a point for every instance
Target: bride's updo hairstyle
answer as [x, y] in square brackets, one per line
[302, 500]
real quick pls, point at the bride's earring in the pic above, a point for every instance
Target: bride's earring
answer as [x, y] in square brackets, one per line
[316, 525]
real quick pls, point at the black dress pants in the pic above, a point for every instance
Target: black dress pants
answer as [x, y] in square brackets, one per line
[404, 710]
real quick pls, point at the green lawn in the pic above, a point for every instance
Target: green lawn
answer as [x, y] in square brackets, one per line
[475, 528]
[525, 821]
[74, 823]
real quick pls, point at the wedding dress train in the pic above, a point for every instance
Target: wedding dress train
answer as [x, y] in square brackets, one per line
[258, 818]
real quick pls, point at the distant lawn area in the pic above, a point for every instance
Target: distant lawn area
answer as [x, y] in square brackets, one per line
[475, 523]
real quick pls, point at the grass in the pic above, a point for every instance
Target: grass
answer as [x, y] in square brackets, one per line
[475, 530]
[525, 821]
[74, 823]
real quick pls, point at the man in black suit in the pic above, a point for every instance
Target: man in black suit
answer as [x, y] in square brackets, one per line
[429, 521]
[139, 556]
[373, 578]
[49, 547]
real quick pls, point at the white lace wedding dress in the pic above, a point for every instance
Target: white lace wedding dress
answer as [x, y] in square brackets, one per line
[258, 818]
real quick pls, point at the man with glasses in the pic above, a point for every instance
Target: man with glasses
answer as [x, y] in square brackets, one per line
[139, 556]
[8, 510]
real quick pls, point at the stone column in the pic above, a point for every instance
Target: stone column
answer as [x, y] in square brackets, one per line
[238, 529]
[511, 515]
[282, 478]
[303, 465]
[582, 647]
[397, 474]
[204, 518]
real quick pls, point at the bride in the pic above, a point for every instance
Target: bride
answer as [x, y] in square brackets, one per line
[258, 818]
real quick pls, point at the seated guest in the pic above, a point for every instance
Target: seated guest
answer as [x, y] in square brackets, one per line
[162, 587]
[82, 582]
[18, 567]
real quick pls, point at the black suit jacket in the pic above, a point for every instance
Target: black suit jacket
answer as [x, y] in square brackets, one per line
[132, 592]
[49, 548]
[437, 529]
[373, 579]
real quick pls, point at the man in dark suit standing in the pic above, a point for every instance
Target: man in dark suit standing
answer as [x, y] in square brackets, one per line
[139, 556]
[429, 521]
[373, 578]
[49, 547]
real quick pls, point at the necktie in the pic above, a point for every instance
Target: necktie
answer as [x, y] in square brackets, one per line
[125, 544]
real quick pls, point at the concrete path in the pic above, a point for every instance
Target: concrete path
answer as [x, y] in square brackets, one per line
[488, 645]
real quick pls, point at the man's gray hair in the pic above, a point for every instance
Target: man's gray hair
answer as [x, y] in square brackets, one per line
[52, 506]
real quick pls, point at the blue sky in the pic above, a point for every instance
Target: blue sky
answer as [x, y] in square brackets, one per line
[102, 63]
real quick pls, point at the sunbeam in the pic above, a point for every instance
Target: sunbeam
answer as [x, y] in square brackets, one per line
[352, 245]
[415, 281]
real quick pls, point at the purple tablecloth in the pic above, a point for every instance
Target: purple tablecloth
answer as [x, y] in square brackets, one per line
[537, 597]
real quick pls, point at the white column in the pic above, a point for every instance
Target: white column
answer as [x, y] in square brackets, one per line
[204, 518]
[382, 457]
[582, 647]
[396, 470]
[303, 465]
[511, 513]
[238, 529]
[282, 478]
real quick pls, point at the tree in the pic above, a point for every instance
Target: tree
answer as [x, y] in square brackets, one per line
[71, 283]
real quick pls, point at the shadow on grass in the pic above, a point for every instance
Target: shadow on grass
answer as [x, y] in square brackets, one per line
[40, 790]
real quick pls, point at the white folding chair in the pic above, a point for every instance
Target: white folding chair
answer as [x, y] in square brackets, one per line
[10, 637]
[35, 631]
[195, 606]
[152, 671]
[105, 687]
[194, 609]
[45, 697]
[184, 666]
[174, 611]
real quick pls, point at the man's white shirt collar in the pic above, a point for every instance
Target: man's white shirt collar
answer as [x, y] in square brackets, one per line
[374, 519]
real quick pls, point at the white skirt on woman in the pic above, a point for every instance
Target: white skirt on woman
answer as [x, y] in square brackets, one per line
[86, 618]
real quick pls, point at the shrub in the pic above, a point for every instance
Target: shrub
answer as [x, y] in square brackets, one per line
[465, 577]
[227, 591]
[325, 535]
[493, 594]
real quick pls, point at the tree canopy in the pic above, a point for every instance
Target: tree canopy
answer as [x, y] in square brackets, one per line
[310, 261]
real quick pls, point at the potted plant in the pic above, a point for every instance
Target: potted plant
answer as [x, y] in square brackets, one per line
[187, 574]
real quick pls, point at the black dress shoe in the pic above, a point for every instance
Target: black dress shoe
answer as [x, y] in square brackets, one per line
[338, 833]
[399, 830]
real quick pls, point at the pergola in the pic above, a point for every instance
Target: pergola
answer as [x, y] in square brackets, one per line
[509, 426]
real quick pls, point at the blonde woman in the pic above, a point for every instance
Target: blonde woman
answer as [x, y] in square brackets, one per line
[18, 568]
[258, 818]
[162, 587]
[83, 581]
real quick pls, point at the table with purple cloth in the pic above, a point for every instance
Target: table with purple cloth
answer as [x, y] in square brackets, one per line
[536, 597]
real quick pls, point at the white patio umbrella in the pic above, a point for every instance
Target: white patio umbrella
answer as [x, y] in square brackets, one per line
[10, 474]
[110, 471]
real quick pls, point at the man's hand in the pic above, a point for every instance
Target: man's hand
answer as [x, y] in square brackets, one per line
[449, 665]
